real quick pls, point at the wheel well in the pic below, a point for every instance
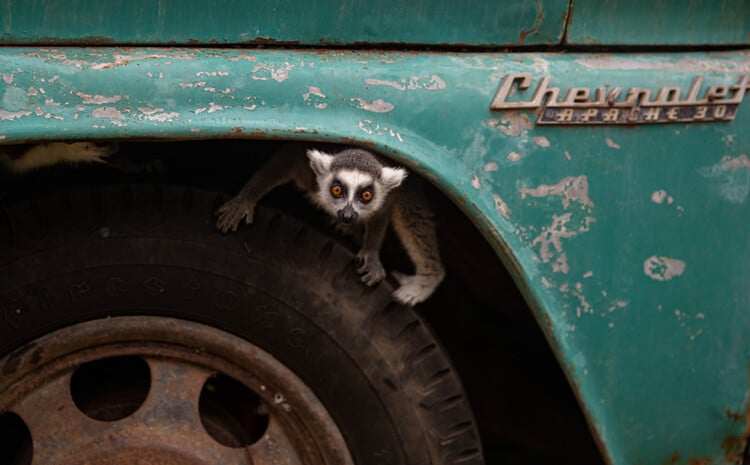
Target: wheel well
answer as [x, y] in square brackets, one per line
[524, 406]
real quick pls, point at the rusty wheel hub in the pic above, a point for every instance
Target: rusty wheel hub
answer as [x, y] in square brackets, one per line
[159, 391]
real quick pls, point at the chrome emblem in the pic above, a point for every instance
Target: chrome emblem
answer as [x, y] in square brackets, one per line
[614, 105]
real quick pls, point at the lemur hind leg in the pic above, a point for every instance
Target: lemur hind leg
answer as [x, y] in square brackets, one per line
[289, 164]
[415, 225]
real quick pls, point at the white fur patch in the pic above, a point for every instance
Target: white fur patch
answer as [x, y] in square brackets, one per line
[354, 181]
[320, 162]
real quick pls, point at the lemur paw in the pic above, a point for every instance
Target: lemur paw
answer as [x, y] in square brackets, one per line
[414, 289]
[370, 268]
[233, 212]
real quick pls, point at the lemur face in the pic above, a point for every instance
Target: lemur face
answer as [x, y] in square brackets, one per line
[353, 187]
[353, 194]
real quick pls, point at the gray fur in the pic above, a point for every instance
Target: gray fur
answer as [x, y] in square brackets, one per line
[356, 159]
[392, 203]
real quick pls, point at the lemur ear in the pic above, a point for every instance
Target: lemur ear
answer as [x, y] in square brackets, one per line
[392, 177]
[319, 162]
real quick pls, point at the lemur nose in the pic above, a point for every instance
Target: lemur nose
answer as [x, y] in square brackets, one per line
[347, 215]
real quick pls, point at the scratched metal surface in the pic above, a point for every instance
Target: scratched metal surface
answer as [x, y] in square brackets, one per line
[322, 22]
[631, 243]
[649, 23]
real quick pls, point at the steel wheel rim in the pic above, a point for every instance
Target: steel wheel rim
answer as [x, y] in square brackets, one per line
[168, 426]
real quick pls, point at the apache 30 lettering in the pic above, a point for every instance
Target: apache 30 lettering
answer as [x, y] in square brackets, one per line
[718, 103]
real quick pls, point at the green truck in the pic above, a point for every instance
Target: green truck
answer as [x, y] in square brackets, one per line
[588, 163]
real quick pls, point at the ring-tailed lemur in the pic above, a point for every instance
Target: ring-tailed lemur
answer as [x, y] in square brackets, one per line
[20, 159]
[355, 188]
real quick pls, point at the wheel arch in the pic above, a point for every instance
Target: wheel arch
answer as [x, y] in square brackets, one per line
[110, 106]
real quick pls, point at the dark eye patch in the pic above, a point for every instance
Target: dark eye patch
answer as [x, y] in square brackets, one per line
[337, 189]
[366, 194]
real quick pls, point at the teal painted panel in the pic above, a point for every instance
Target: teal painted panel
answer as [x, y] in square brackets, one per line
[317, 22]
[647, 23]
[631, 243]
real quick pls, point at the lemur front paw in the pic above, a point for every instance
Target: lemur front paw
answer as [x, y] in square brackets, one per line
[414, 289]
[232, 212]
[370, 268]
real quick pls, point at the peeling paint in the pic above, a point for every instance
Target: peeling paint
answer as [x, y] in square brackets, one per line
[475, 183]
[7, 78]
[157, 114]
[380, 82]
[541, 141]
[514, 156]
[244, 56]
[733, 175]
[561, 264]
[660, 196]
[187, 85]
[617, 304]
[584, 306]
[11, 115]
[511, 124]
[262, 72]
[541, 65]
[120, 59]
[368, 127]
[214, 107]
[575, 189]
[490, 167]
[282, 73]
[612, 144]
[501, 206]
[314, 96]
[376, 106]
[211, 73]
[663, 268]
[430, 82]
[97, 99]
[107, 112]
[733, 164]
[552, 236]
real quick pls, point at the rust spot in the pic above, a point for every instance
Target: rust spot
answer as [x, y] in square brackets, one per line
[733, 446]
[15, 359]
[673, 460]
[237, 130]
[734, 416]
[537, 22]
[699, 461]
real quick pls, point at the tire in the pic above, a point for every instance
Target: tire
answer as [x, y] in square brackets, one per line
[280, 284]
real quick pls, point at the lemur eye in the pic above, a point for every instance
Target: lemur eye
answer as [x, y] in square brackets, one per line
[366, 196]
[336, 190]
